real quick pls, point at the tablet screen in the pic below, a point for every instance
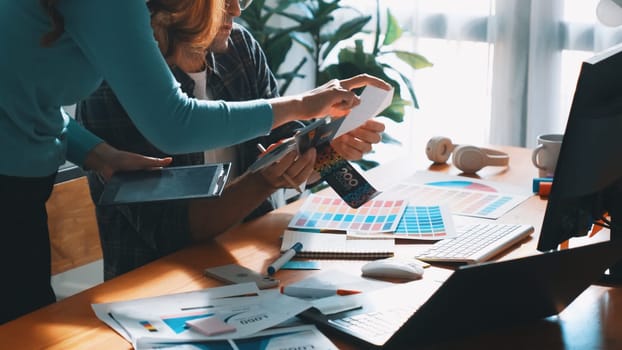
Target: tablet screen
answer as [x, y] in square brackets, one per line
[172, 183]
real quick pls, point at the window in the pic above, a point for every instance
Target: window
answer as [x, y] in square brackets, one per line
[504, 71]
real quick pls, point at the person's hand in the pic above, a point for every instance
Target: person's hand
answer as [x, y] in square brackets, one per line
[106, 160]
[335, 98]
[291, 171]
[354, 144]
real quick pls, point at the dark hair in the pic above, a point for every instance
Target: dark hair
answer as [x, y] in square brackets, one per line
[57, 21]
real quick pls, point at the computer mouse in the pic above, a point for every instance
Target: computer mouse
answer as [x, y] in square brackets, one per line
[403, 268]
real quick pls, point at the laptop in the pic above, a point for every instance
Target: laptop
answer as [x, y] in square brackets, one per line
[474, 298]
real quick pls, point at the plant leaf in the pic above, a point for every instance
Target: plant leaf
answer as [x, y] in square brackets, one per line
[394, 31]
[413, 59]
[407, 82]
[345, 31]
[386, 138]
[280, 44]
[366, 164]
[410, 88]
[395, 111]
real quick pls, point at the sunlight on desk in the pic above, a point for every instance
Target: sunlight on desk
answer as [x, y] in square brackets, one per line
[592, 321]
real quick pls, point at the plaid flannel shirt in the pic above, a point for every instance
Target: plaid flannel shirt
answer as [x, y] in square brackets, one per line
[133, 235]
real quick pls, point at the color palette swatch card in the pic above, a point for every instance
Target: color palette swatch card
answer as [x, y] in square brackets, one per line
[331, 213]
[420, 223]
[461, 200]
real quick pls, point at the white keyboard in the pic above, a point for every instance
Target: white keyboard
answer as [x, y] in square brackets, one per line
[476, 243]
[379, 325]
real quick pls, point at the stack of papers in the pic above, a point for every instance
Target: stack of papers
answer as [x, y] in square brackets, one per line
[244, 310]
[421, 207]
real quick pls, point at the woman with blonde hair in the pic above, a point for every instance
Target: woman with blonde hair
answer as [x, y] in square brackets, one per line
[56, 52]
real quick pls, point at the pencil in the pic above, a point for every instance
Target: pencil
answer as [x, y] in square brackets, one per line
[309, 292]
[289, 180]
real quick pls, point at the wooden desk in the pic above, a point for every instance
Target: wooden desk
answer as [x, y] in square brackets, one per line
[592, 321]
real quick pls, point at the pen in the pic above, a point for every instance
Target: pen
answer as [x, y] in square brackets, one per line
[285, 176]
[287, 256]
[314, 293]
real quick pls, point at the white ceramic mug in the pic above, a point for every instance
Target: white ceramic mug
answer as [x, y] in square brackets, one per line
[544, 156]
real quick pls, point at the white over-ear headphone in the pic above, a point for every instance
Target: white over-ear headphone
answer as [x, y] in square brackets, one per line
[469, 159]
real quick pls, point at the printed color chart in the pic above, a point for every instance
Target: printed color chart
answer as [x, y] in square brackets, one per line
[330, 213]
[419, 222]
[461, 201]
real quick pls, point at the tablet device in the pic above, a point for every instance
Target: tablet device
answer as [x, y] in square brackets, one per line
[165, 184]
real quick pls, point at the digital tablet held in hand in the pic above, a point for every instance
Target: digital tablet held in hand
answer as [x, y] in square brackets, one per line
[172, 183]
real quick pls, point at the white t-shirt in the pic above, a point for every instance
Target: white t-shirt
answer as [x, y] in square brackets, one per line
[219, 155]
[227, 154]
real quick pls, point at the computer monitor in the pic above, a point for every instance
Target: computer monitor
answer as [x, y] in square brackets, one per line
[588, 177]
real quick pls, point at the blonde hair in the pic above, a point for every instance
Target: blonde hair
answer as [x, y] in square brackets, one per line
[185, 24]
[194, 23]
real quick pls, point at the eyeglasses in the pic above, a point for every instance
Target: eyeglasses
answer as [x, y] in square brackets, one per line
[244, 4]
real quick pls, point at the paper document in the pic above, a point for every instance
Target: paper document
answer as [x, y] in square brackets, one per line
[419, 222]
[463, 195]
[298, 337]
[163, 319]
[337, 279]
[329, 213]
[373, 101]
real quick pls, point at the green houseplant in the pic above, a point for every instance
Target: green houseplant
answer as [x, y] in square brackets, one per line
[312, 25]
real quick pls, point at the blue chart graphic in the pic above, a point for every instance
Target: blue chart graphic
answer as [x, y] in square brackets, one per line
[495, 205]
[469, 185]
[423, 221]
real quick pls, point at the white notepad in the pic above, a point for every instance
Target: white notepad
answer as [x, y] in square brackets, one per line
[337, 246]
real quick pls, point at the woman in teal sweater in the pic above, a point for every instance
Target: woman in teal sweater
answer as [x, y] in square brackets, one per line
[56, 52]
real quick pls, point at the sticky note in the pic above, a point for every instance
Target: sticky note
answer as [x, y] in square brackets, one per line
[210, 326]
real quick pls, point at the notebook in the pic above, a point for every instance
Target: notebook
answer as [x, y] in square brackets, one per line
[336, 246]
[172, 183]
[475, 297]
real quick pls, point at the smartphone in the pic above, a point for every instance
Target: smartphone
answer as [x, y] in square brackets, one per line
[234, 273]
